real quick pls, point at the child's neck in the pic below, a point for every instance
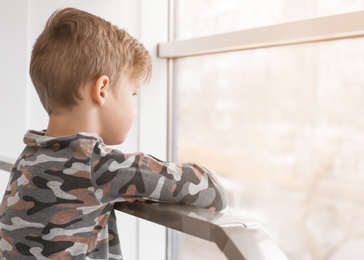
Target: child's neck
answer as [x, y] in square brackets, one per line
[70, 123]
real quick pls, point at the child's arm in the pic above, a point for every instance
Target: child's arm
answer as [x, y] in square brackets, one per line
[117, 176]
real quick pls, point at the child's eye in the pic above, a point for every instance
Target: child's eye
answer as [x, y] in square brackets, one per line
[135, 94]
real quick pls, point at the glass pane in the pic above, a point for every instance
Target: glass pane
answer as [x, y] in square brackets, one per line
[204, 17]
[188, 247]
[284, 128]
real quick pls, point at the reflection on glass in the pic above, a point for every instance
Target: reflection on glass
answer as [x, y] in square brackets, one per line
[196, 18]
[284, 128]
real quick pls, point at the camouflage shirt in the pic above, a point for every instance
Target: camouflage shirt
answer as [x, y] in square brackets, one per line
[59, 202]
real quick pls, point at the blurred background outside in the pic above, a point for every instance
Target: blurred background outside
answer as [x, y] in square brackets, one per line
[283, 126]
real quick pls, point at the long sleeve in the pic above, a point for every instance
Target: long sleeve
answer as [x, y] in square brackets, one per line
[117, 176]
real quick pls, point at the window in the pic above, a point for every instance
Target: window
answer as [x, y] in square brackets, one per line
[282, 126]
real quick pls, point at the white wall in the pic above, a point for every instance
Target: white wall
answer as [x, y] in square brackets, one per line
[13, 75]
[20, 24]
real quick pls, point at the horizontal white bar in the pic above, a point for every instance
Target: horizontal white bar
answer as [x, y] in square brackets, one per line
[6, 164]
[348, 25]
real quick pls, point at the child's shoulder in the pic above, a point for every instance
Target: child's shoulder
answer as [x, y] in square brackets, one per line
[43, 148]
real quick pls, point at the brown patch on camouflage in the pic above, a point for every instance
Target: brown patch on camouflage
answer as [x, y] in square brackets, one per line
[14, 254]
[92, 240]
[152, 164]
[22, 205]
[82, 174]
[102, 220]
[13, 189]
[88, 197]
[29, 141]
[199, 172]
[61, 255]
[94, 163]
[74, 238]
[131, 199]
[179, 169]
[2, 208]
[131, 190]
[65, 216]
[85, 149]
[108, 149]
[173, 188]
[31, 152]
[127, 156]
[106, 189]
[55, 147]
[9, 239]
[26, 173]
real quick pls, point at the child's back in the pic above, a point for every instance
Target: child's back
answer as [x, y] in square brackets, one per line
[60, 197]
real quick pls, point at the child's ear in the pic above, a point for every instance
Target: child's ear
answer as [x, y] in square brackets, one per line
[99, 89]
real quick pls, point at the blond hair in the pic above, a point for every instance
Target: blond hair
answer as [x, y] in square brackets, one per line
[76, 47]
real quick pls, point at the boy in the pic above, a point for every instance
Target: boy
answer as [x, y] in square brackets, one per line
[62, 189]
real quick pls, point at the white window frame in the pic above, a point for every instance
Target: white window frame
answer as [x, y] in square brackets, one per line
[153, 114]
[326, 28]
